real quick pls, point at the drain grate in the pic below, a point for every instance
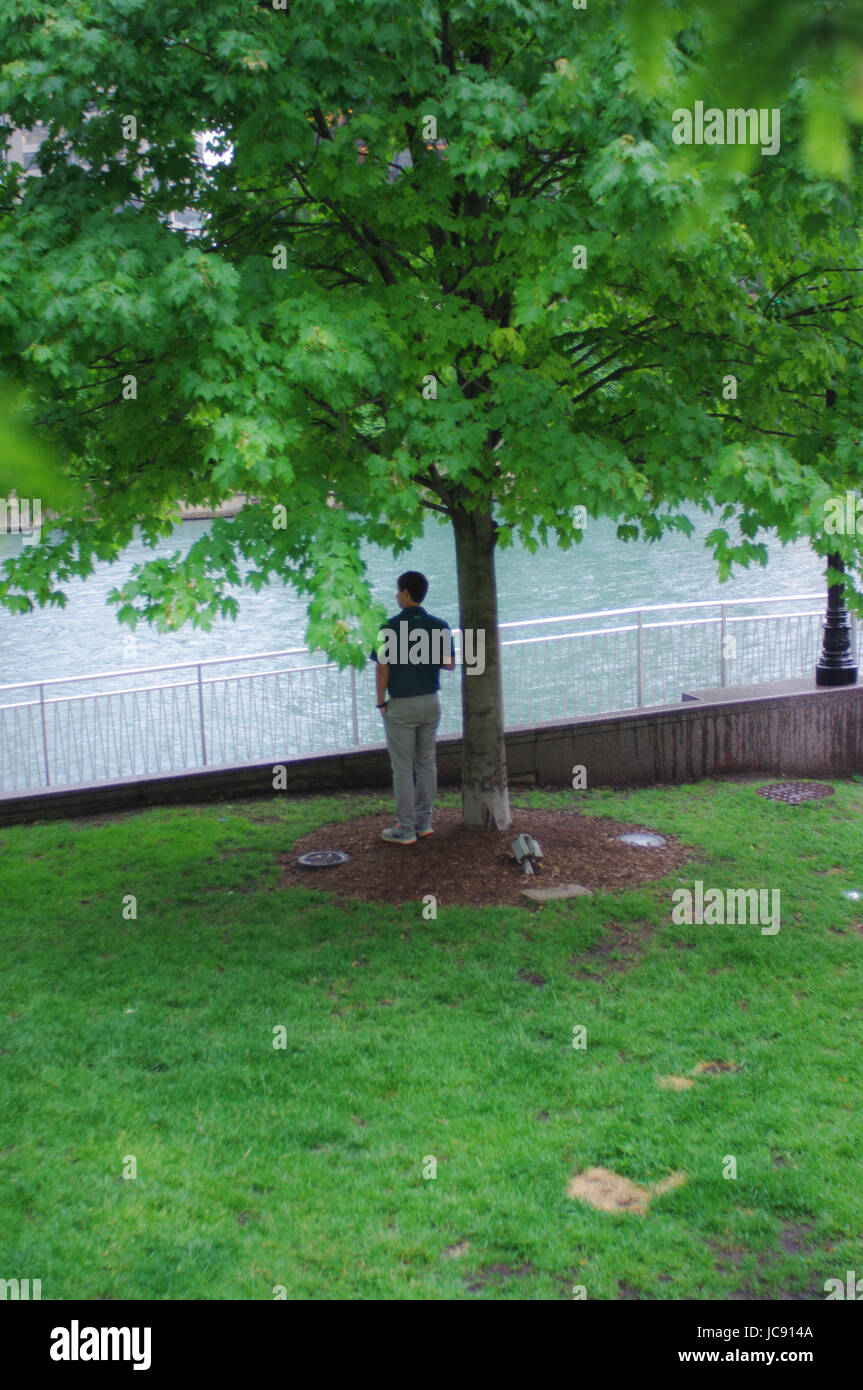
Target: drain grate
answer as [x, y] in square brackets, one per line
[322, 858]
[793, 792]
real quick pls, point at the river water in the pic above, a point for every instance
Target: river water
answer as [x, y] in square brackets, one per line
[602, 572]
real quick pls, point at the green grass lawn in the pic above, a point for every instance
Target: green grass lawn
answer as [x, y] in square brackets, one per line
[303, 1166]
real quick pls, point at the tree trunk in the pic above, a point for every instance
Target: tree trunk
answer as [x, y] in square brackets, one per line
[485, 793]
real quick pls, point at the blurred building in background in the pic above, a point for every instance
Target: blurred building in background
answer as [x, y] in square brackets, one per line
[22, 148]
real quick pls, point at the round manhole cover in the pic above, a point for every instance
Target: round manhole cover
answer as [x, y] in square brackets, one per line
[322, 858]
[793, 792]
[643, 838]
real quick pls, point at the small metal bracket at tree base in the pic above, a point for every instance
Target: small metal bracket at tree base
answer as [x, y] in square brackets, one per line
[527, 853]
[795, 792]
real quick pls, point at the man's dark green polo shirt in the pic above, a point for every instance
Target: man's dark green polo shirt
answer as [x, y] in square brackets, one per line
[414, 645]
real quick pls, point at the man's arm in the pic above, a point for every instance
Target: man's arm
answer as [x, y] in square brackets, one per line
[449, 665]
[381, 678]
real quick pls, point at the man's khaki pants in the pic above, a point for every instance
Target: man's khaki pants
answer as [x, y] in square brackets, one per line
[411, 725]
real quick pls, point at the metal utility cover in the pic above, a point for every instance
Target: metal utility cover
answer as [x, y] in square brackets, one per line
[323, 858]
[794, 792]
[643, 838]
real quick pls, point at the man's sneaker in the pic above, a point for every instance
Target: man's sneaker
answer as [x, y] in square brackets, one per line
[397, 836]
[423, 831]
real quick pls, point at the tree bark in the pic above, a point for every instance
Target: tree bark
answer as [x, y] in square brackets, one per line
[485, 791]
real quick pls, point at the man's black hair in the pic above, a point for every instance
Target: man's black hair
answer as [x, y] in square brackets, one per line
[416, 584]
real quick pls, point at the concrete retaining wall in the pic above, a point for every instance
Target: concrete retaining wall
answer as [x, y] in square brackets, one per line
[794, 729]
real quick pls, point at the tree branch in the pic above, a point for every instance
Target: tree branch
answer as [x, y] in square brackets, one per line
[719, 415]
[613, 376]
[377, 260]
[806, 274]
[433, 506]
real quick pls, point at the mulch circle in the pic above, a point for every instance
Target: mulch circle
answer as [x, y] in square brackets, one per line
[476, 868]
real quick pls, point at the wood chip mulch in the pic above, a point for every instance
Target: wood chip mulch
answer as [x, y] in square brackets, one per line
[476, 868]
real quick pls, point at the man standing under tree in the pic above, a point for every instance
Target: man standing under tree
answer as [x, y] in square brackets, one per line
[415, 647]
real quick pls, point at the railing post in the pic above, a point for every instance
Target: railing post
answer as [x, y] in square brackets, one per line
[44, 734]
[354, 714]
[201, 711]
[723, 660]
[640, 691]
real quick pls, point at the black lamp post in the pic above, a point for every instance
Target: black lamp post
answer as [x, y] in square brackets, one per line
[837, 665]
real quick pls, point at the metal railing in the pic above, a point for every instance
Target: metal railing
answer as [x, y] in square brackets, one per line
[59, 735]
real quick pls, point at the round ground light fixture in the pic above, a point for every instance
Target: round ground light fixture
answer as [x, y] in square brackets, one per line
[642, 838]
[323, 859]
[794, 792]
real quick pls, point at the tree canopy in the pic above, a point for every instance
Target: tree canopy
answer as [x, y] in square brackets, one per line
[451, 262]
